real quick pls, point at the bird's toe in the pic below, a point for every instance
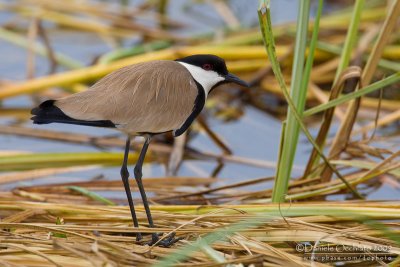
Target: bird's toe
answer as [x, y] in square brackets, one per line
[167, 242]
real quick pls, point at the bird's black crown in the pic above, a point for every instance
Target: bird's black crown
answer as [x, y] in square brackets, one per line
[207, 62]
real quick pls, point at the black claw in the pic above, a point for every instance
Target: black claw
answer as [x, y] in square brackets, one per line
[154, 238]
[167, 242]
[138, 237]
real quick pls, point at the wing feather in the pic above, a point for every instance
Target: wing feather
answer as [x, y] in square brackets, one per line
[156, 96]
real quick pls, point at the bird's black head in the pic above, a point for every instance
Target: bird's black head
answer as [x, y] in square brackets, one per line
[211, 64]
[207, 62]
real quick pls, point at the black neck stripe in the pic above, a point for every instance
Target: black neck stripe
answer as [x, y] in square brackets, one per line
[197, 108]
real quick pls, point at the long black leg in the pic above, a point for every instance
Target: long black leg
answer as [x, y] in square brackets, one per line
[125, 180]
[138, 176]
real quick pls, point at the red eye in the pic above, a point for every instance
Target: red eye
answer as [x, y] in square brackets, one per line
[207, 66]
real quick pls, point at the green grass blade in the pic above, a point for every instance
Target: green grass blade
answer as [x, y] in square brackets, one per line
[264, 16]
[220, 235]
[52, 160]
[351, 38]
[389, 233]
[347, 51]
[133, 51]
[394, 78]
[92, 195]
[298, 95]
[310, 58]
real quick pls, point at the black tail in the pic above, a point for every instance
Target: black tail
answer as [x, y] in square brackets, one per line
[47, 112]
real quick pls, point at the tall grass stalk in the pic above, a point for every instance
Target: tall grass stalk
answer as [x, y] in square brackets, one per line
[351, 38]
[346, 54]
[298, 92]
[268, 37]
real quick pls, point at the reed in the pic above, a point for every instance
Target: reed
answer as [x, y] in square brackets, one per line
[299, 84]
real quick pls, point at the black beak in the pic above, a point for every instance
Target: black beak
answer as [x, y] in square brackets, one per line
[234, 79]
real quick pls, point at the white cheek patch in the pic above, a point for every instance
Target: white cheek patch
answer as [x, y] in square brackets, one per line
[207, 79]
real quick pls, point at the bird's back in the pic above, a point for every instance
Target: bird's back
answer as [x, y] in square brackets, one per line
[156, 96]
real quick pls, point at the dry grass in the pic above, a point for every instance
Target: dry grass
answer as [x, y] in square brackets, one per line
[93, 235]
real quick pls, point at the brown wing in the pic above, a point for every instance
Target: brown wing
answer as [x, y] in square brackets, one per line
[155, 96]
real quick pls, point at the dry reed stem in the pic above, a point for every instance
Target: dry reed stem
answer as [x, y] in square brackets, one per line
[349, 73]
[270, 85]
[16, 177]
[155, 147]
[225, 12]
[101, 235]
[383, 121]
[344, 133]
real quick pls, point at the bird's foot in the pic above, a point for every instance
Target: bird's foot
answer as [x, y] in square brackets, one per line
[167, 242]
[138, 237]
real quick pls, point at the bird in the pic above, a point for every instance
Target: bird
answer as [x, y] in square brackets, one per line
[143, 99]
